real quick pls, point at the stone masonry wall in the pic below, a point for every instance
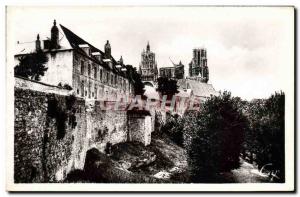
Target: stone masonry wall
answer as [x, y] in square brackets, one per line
[53, 133]
[140, 128]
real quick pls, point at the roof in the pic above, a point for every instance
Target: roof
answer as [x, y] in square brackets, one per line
[69, 40]
[184, 93]
[169, 67]
[23, 48]
[199, 89]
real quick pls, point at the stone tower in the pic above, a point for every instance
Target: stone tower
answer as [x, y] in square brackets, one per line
[148, 65]
[198, 69]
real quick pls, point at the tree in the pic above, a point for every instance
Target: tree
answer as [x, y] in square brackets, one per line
[167, 86]
[213, 137]
[265, 137]
[32, 66]
[136, 80]
[174, 128]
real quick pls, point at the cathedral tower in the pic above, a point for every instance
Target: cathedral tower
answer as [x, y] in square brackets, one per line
[148, 65]
[198, 68]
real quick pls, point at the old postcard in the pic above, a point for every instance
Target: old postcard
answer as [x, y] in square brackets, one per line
[161, 98]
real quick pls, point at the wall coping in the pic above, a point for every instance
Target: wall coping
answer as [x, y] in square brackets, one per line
[24, 83]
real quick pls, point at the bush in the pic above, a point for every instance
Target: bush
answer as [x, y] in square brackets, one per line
[174, 128]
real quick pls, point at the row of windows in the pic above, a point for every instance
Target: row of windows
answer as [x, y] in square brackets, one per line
[87, 91]
[104, 76]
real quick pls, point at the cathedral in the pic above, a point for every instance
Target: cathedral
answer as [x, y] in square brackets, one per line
[148, 65]
[198, 69]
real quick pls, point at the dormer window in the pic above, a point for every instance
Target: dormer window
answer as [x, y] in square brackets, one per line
[85, 48]
[97, 55]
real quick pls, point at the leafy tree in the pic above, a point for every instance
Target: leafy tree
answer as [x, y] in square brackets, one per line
[265, 137]
[167, 86]
[135, 78]
[32, 66]
[213, 137]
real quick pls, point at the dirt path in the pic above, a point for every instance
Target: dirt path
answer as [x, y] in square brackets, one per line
[246, 173]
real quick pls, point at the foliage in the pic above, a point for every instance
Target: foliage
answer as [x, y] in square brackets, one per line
[265, 137]
[213, 137]
[179, 72]
[136, 80]
[167, 86]
[173, 128]
[61, 113]
[32, 66]
[65, 86]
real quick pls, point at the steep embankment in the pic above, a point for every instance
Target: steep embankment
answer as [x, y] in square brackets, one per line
[132, 162]
[162, 160]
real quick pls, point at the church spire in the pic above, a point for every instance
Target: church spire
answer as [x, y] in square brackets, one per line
[148, 46]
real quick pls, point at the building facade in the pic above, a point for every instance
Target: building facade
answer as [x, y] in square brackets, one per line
[148, 65]
[198, 68]
[92, 73]
[174, 72]
[168, 72]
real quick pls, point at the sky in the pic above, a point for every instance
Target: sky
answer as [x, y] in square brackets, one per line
[249, 49]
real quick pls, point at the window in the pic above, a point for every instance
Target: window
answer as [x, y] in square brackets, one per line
[100, 74]
[95, 72]
[89, 90]
[96, 92]
[124, 84]
[89, 70]
[112, 79]
[82, 88]
[116, 80]
[107, 77]
[82, 67]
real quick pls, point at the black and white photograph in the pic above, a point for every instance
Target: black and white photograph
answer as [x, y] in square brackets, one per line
[150, 98]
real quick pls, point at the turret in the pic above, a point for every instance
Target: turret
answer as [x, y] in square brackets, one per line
[121, 60]
[54, 36]
[107, 49]
[38, 43]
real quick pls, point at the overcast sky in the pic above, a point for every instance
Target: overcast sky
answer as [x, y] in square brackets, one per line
[249, 49]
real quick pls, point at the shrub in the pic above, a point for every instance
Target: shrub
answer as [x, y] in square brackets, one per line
[174, 128]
